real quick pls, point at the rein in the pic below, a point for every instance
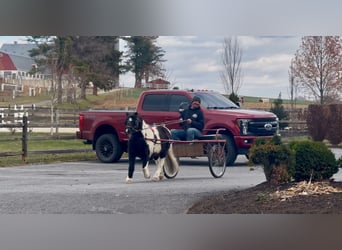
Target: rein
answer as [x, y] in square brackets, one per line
[155, 140]
[154, 125]
[167, 123]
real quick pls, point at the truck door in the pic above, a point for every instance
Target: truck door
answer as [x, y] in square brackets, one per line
[158, 108]
[174, 104]
[154, 107]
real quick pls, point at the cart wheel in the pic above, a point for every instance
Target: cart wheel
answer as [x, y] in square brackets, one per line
[217, 160]
[169, 175]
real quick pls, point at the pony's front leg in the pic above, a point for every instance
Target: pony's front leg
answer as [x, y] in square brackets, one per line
[131, 160]
[159, 174]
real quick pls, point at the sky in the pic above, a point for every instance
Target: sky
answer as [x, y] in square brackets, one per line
[194, 62]
[269, 33]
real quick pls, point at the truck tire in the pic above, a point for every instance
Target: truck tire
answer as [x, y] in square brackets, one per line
[108, 148]
[230, 151]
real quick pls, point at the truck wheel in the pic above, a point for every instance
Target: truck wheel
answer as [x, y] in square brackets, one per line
[108, 148]
[230, 150]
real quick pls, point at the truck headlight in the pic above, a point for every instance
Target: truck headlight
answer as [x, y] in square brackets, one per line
[243, 124]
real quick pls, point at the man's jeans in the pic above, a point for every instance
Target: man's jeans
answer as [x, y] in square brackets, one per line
[189, 135]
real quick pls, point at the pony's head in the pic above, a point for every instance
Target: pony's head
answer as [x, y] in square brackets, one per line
[133, 123]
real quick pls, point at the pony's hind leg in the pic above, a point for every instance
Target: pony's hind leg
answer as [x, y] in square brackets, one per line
[145, 169]
[159, 174]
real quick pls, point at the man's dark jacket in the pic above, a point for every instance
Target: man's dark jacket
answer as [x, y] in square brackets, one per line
[195, 115]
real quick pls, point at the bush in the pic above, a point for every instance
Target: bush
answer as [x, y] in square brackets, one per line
[334, 131]
[317, 121]
[277, 159]
[313, 160]
[339, 162]
[234, 97]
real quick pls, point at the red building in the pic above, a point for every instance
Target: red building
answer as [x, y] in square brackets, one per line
[158, 84]
[15, 61]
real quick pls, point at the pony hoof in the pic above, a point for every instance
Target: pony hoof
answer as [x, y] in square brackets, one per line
[161, 177]
[146, 173]
[155, 178]
[129, 180]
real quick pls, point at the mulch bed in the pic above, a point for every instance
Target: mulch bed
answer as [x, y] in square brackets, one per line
[290, 198]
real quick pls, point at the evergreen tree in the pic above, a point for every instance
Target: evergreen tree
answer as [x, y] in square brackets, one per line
[279, 110]
[144, 58]
[53, 53]
[97, 59]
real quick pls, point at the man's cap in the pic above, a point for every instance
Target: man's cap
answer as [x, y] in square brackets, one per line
[196, 99]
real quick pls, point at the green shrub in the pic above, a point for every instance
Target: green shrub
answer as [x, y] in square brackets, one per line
[277, 159]
[339, 162]
[313, 160]
[234, 97]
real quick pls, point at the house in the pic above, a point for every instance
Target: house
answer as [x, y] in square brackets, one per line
[158, 84]
[15, 61]
[16, 78]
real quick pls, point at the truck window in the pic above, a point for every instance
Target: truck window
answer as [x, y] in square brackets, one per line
[176, 100]
[157, 102]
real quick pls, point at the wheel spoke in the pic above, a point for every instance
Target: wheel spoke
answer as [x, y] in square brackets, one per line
[217, 160]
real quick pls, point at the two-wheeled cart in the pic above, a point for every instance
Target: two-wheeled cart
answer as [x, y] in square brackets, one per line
[211, 145]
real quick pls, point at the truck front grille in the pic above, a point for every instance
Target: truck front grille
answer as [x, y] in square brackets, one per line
[263, 127]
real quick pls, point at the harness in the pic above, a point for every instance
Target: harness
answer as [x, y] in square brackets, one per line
[136, 128]
[155, 139]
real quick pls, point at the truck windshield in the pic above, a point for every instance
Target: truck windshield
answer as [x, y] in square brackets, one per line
[215, 101]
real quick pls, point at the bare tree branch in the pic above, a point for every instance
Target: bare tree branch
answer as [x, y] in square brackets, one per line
[317, 67]
[231, 75]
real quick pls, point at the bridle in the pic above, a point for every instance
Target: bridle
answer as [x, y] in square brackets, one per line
[136, 127]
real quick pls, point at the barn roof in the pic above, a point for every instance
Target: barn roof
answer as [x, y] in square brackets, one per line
[5, 62]
[18, 49]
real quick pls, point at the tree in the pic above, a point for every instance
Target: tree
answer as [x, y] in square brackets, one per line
[53, 53]
[279, 110]
[96, 59]
[293, 85]
[144, 58]
[318, 65]
[231, 75]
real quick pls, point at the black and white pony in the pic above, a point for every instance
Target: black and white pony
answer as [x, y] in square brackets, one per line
[149, 142]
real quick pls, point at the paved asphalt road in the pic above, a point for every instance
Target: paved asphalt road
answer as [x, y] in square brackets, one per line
[93, 187]
[97, 188]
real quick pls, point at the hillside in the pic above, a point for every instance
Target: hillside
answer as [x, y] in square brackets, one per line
[127, 99]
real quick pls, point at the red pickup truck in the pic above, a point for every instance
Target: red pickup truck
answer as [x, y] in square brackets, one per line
[105, 129]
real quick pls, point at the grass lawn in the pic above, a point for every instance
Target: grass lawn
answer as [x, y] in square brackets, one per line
[38, 142]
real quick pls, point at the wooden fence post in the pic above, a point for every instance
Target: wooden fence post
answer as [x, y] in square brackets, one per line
[24, 138]
[57, 120]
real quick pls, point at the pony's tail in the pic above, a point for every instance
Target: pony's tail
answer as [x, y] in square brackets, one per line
[171, 163]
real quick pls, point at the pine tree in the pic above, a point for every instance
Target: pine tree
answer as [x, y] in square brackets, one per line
[279, 110]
